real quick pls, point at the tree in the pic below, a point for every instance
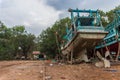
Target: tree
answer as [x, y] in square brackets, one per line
[47, 39]
[23, 40]
[110, 14]
[6, 48]
[13, 38]
[103, 18]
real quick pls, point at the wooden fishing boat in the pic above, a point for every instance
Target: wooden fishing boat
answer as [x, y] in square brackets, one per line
[86, 30]
[111, 42]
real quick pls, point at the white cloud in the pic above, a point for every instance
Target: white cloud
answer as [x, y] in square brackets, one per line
[34, 14]
[0, 1]
[104, 5]
[37, 15]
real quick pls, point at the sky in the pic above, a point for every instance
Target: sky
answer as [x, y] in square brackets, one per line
[37, 15]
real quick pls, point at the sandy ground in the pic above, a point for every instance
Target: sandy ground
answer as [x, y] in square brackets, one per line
[20, 70]
[37, 70]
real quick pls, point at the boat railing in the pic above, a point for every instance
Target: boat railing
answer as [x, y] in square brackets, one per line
[90, 27]
[115, 23]
[71, 33]
[114, 31]
[84, 20]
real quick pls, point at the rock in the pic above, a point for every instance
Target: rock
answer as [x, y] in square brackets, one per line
[48, 77]
[99, 64]
[106, 63]
[99, 55]
[51, 64]
[107, 53]
[84, 56]
[41, 71]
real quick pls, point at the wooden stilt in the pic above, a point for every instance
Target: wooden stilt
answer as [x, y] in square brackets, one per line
[72, 57]
[102, 51]
[63, 60]
[108, 51]
[72, 53]
[118, 53]
[94, 53]
[67, 57]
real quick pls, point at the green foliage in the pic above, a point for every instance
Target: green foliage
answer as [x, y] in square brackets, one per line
[26, 42]
[111, 15]
[103, 18]
[47, 42]
[18, 30]
[23, 40]
[6, 48]
[48, 38]
[13, 38]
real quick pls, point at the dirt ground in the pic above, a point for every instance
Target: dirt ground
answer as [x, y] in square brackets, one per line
[44, 70]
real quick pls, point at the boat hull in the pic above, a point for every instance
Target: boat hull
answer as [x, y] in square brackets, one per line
[83, 40]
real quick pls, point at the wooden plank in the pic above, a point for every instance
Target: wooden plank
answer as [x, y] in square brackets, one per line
[118, 53]
[72, 57]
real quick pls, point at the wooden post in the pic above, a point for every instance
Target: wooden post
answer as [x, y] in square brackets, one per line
[94, 53]
[72, 57]
[102, 51]
[108, 51]
[72, 50]
[67, 57]
[118, 53]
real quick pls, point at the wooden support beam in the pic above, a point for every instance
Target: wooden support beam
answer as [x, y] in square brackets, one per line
[67, 57]
[118, 53]
[108, 51]
[72, 57]
[72, 53]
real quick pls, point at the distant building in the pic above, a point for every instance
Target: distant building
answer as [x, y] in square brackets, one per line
[36, 54]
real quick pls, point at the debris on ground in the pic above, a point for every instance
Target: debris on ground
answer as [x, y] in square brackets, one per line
[104, 62]
[39, 70]
[110, 70]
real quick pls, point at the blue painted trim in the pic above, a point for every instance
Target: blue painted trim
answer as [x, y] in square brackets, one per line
[84, 23]
[113, 31]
